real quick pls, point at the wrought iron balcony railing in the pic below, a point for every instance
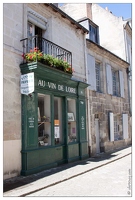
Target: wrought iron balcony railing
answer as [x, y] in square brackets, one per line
[47, 47]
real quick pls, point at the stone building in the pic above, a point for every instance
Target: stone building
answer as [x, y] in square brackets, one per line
[46, 127]
[115, 32]
[108, 101]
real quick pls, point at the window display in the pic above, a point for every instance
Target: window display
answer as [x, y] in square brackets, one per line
[44, 123]
[57, 120]
[71, 103]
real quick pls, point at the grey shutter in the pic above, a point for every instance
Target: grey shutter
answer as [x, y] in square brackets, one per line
[109, 79]
[111, 126]
[125, 126]
[91, 72]
[121, 83]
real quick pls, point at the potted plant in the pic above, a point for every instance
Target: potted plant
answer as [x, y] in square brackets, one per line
[34, 55]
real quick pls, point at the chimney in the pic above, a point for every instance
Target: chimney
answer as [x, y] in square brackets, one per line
[89, 10]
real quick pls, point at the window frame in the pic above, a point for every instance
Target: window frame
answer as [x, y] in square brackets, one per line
[93, 33]
[115, 83]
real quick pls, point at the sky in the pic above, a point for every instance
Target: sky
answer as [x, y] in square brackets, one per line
[119, 9]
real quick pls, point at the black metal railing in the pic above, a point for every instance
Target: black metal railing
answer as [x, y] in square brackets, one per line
[47, 47]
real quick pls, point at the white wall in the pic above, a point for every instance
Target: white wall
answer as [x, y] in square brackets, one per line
[12, 51]
[110, 30]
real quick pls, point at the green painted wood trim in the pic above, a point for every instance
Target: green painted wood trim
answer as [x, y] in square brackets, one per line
[41, 69]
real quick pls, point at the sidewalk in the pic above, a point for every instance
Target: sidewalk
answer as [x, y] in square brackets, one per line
[24, 185]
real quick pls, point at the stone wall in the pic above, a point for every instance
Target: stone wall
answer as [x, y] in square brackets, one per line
[12, 51]
[102, 103]
[63, 33]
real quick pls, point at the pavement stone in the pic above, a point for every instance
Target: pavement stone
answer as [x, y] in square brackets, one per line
[24, 185]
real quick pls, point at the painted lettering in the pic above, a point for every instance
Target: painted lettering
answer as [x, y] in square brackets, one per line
[41, 83]
[70, 90]
[61, 88]
[52, 85]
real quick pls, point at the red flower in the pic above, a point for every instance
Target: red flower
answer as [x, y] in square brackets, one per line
[23, 55]
[35, 49]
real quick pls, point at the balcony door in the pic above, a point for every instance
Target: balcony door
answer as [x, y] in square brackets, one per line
[33, 30]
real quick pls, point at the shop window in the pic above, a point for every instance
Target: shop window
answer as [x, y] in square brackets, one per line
[44, 123]
[58, 120]
[71, 103]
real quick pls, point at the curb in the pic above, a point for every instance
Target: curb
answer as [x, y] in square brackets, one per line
[73, 176]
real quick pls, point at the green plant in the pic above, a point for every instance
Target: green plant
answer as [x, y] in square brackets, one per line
[37, 55]
[34, 55]
[48, 59]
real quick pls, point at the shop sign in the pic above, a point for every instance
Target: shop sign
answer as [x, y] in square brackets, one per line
[55, 86]
[27, 83]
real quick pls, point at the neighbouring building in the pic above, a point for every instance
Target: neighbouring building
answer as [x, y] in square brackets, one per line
[116, 36]
[44, 104]
[108, 99]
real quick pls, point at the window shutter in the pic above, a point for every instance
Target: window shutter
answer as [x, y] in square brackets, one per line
[121, 83]
[91, 72]
[125, 126]
[109, 79]
[111, 126]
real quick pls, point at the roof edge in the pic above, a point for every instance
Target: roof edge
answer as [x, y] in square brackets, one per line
[107, 51]
[64, 15]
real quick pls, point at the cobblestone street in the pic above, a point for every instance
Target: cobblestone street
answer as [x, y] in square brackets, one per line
[113, 179]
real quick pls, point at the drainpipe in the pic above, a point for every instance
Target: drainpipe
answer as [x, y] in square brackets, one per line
[128, 72]
[88, 102]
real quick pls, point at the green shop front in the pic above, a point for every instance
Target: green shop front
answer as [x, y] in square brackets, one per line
[53, 119]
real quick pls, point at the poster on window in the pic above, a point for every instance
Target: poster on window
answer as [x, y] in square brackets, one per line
[27, 83]
[56, 132]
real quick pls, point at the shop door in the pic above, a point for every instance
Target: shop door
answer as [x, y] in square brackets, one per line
[97, 135]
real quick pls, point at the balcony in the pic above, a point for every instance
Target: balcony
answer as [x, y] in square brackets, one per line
[39, 49]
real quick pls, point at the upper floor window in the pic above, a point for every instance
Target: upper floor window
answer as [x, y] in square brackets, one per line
[93, 34]
[33, 30]
[115, 81]
[97, 70]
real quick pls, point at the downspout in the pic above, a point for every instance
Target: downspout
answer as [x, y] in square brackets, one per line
[128, 71]
[88, 101]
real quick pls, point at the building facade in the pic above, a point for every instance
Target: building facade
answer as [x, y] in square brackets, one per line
[45, 115]
[108, 98]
